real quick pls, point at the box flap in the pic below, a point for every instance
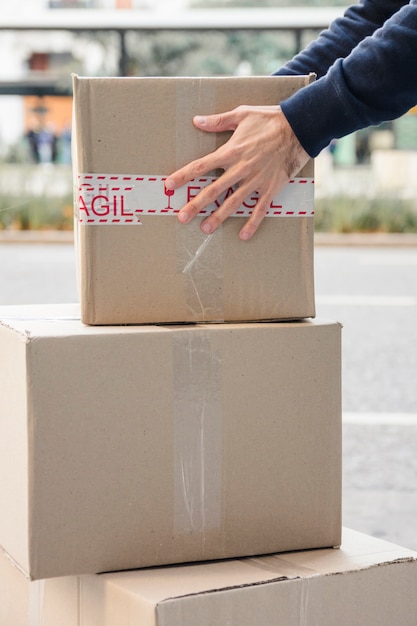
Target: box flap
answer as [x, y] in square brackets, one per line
[358, 552]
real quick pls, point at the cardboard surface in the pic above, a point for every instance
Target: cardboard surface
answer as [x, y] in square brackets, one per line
[25, 603]
[125, 447]
[368, 581]
[157, 270]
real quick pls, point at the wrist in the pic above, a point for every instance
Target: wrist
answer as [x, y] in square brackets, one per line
[296, 156]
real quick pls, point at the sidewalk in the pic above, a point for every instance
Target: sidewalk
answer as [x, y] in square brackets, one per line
[320, 239]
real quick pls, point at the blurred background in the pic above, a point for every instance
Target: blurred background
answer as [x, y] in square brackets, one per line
[43, 41]
[366, 190]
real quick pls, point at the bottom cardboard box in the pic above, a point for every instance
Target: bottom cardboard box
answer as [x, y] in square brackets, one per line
[364, 583]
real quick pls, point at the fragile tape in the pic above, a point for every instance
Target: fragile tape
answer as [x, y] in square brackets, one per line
[125, 199]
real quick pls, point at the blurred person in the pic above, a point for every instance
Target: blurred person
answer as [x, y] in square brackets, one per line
[47, 144]
[366, 69]
[31, 137]
[64, 142]
[42, 143]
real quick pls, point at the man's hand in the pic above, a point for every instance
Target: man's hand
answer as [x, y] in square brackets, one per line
[262, 155]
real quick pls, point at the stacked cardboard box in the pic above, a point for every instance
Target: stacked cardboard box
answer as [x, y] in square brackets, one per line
[126, 444]
[368, 581]
[132, 446]
[137, 263]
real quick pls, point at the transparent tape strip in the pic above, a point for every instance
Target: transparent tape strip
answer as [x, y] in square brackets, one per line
[197, 434]
[125, 199]
[36, 602]
[200, 260]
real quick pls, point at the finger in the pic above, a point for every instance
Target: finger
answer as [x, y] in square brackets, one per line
[195, 169]
[192, 170]
[209, 195]
[232, 204]
[211, 123]
[218, 122]
[263, 203]
[229, 206]
[252, 224]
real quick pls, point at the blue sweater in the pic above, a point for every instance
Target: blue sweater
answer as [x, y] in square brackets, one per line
[366, 65]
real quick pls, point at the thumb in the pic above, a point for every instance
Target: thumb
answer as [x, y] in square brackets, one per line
[215, 123]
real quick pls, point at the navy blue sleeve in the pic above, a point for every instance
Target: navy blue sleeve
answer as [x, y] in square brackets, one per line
[345, 33]
[371, 79]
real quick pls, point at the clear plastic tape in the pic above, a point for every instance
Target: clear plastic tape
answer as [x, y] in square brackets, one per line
[200, 261]
[193, 97]
[197, 434]
[279, 565]
[287, 570]
[304, 602]
[36, 602]
[199, 256]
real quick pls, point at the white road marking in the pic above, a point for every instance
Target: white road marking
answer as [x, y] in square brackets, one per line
[397, 260]
[364, 300]
[380, 419]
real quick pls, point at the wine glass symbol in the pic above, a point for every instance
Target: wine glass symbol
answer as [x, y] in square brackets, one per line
[169, 193]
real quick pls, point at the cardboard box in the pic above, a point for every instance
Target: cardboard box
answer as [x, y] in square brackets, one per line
[368, 581]
[137, 263]
[125, 447]
[38, 603]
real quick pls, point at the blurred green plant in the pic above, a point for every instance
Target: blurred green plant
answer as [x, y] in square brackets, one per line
[36, 212]
[333, 214]
[342, 214]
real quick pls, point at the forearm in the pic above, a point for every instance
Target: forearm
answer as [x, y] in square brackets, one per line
[375, 83]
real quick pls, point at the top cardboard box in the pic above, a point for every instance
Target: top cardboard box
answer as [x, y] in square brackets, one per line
[136, 263]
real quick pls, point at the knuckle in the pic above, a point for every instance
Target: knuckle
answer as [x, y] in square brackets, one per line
[234, 201]
[212, 192]
[217, 120]
[200, 168]
[260, 210]
[233, 152]
[193, 208]
[215, 219]
[257, 217]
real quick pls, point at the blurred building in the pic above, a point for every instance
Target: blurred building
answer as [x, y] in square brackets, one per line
[35, 63]
[36, 67]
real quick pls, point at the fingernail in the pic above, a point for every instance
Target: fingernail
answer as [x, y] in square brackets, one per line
[200, 120]
[206, 228]
[183, 217]
[169, 184]
[245, 236]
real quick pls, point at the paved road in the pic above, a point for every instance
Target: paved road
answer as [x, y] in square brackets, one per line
[373, 292]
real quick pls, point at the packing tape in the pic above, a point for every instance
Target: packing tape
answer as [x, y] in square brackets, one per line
[197, 415]
[36, 602]
[279, 565]
[124, 199]
[199, 257]
[200, 260]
